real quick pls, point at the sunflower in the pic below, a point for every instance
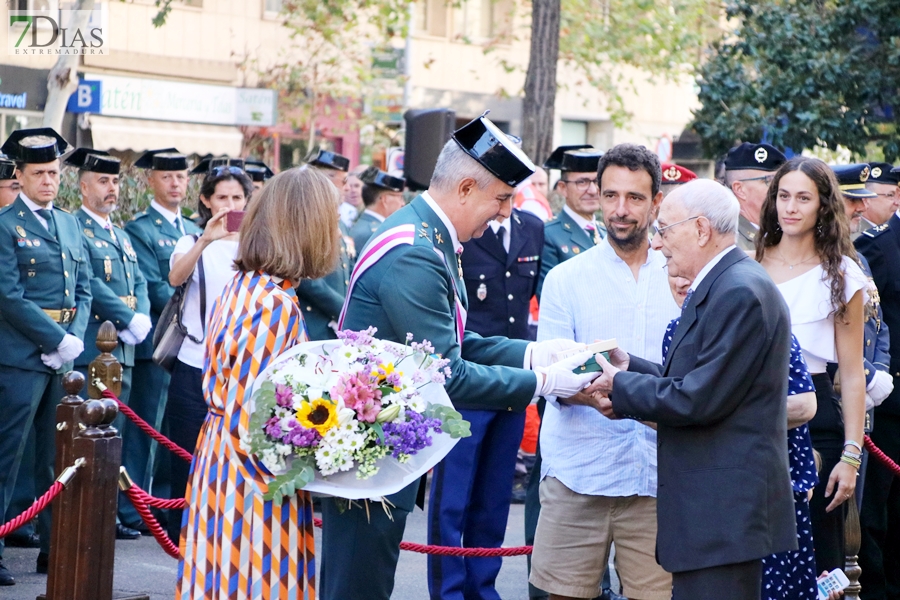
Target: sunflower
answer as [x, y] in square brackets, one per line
[318, 414]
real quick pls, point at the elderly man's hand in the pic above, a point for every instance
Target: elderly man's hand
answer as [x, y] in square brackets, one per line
[619, 359]
[581, 399]
[606, 408]
[603, 385]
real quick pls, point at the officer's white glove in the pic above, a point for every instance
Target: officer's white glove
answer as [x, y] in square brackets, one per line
[70, 348]
[139, 327]
[334, 326]
[127, 337]
[879, 388]
[560, 381]
[52, 360]
[542, 352]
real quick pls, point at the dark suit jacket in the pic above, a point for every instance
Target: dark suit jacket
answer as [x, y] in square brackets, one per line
[881, 246]
[720, 401]
[500, 284]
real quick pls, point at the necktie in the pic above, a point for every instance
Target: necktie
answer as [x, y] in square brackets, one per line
[179, 225]
[47, 215]
[686, 300]
[501, 236]
[112, 234]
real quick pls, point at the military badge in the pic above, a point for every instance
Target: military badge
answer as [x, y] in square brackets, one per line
[671, 174]
[37, 243]
[21, 243]
[864, 174]
[21, 231]
[351, 246]
[29, 243]
[576, 249]
[564, 248]
[761, 155]
[876, 172]
[99, 245]
[89, 232]
[481, 292]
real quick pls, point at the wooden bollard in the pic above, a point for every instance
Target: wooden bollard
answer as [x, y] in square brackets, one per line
[83, 539]
[852, 542]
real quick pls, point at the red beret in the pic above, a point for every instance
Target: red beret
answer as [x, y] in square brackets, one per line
[674, 174]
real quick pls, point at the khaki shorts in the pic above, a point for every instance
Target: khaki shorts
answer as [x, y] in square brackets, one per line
[571, 545]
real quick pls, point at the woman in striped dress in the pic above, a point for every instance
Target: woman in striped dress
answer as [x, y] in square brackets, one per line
[235, 544]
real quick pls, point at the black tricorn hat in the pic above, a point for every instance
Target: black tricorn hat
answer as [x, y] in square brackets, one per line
[208, 164]
[880, 172]
[258, 170]
[35, 146]
[328, 160]
[581, 161]
[760, 157]
[852, 180]
[7, 168]
[165, 159]
[95, 161]
[555, 160]
[377, 178]
[494, 150]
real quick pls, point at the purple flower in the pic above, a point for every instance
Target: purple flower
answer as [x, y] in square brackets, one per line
[410, 436]
[284, 395]
[301, 437]
[273, 428]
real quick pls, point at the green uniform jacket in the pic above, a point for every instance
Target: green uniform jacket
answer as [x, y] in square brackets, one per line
[362, 230]
[50, 272]
[410, 290]
[153, 239]
[321, 299]
[746, 237]
[563, 239]
[115, 273]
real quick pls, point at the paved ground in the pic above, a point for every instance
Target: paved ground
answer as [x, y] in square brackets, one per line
[142, 567]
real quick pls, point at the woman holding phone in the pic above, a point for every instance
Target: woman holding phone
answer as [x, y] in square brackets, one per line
[208, 261]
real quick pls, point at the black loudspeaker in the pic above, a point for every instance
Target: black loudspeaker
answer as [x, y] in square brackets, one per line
[427, 130]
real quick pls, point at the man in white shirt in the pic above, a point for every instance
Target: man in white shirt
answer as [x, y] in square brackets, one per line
[599, 476]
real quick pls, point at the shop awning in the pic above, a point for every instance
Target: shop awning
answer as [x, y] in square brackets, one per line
[190, 138]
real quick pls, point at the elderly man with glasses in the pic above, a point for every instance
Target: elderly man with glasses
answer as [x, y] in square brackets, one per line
[749, 169]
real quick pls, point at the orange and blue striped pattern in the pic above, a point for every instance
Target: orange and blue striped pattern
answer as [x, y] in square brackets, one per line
[235, 544]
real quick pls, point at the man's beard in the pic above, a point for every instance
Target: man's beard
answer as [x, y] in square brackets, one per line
[632, 241]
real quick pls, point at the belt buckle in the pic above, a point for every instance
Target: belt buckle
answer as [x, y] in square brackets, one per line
[65, 315]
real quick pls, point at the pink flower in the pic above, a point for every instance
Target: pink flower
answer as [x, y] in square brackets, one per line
[368, 411]
[284, 395]
[356, 391]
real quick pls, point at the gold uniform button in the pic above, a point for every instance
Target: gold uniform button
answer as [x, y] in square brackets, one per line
[64, 255]
[309, 308]
[868, 342]
[509, 408]
[345, 265]
[867, 371]
[32, 261]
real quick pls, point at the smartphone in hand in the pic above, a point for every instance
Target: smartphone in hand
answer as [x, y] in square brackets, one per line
[233, 221]
[835, 581]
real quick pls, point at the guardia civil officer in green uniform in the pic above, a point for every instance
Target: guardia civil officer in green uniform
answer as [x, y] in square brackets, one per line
[413, 284]
[153, 233]
[321, 299]
[749, 169]
[575, 229]
[382, 196]
[45, 300]
[118, 288]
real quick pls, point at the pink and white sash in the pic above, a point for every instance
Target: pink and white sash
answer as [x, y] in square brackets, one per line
[378, 248]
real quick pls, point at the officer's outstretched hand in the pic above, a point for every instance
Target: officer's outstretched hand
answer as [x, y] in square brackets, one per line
[560, 381]
[139, 327]
[52, 360]
[70, 348]
[542, 353]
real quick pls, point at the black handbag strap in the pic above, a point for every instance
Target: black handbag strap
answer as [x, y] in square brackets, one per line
[185, 285]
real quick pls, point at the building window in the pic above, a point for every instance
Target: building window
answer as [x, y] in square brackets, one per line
[431, 18]
[19, 120]
[496, 18]
[573, 132]
[272, 8]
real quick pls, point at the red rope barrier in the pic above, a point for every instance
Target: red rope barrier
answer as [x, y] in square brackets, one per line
[39, 505]
[139, 498]
[881, 456]
[173, 503]
[148, 429]
[454, 551]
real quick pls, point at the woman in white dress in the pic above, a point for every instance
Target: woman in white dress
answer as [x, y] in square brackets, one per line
[804, 244]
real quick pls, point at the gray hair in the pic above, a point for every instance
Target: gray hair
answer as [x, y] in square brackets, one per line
[712, 200]
[454, 165]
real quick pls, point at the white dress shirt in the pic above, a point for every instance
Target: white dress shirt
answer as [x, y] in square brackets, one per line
[594, 296]
[497, 226]
[348, 214]
[709, 266]
[171, 217]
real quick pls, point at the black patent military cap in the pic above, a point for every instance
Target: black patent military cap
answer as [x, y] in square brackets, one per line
[209, 164]
[258, 170]
[35, 146]
[494, 150]
[555, 160]
[375, 177]
[760, 157]
[328, 160]
[7, 168]
[166, 159]
[580, 161]
[95, 161]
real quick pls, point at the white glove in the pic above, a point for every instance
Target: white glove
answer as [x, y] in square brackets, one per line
[52, 360]
[879, 388]
[542, 352]
[560, 381]
[70, 348]
[127, 337]
[139, 327]
[334, 326]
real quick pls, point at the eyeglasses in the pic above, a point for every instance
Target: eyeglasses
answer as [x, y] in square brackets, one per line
[13, 186]
[766, 178]
[216, 171]
[582, 184]
[662, 230]
[891, 196]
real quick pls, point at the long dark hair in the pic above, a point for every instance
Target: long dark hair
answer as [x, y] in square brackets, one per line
[208, 190]
[832, 230]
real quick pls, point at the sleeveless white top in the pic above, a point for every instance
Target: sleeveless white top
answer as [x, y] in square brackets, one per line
[808, 297]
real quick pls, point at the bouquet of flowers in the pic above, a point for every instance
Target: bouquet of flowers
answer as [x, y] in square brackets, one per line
[355, 417]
